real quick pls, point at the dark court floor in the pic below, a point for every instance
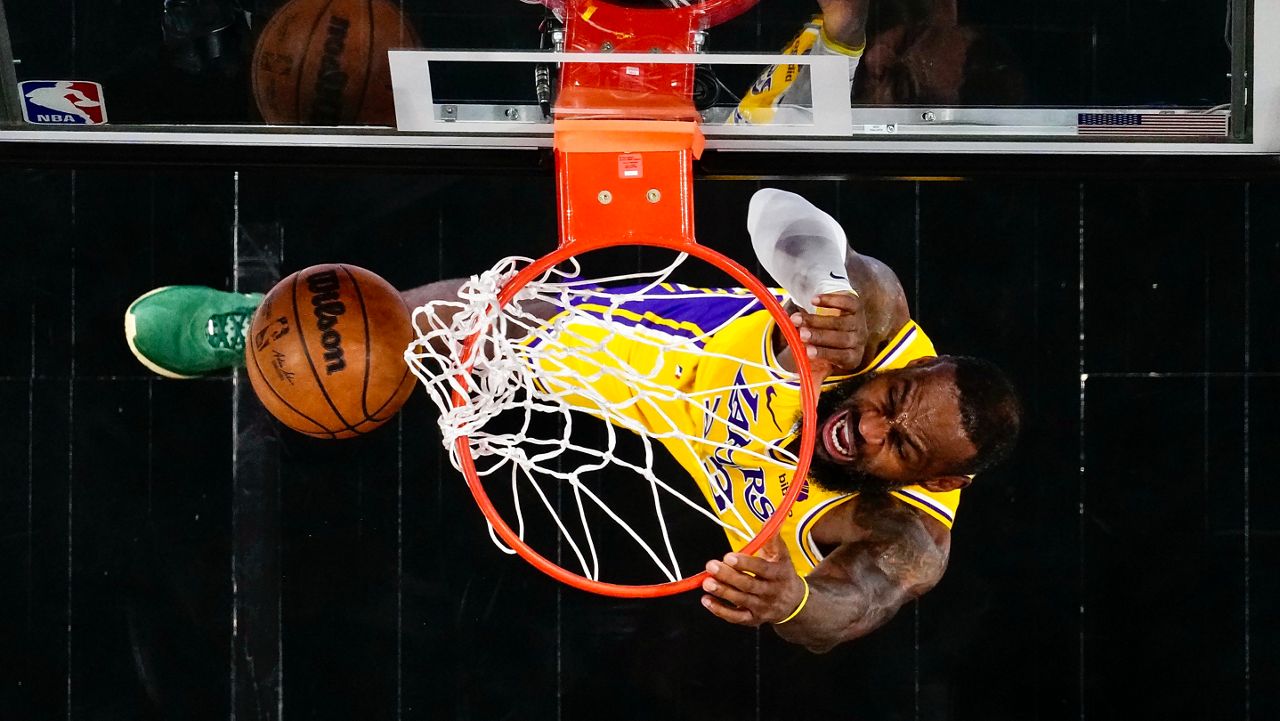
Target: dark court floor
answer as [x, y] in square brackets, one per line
[169, 553]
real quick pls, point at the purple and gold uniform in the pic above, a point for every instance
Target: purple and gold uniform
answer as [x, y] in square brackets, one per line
[783, 93]
[706, 382]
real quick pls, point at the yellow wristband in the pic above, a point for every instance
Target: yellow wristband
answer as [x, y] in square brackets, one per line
[819, 310]
[799, 608]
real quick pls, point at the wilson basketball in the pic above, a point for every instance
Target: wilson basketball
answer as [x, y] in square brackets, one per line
[324, 62]
[325, 351]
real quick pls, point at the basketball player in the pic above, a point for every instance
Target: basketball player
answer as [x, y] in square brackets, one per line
[901, 430]
[899, 51]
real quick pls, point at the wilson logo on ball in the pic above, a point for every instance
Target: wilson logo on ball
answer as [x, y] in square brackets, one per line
[324, 297]
[324, 62]
[359, 325]
[331, 81]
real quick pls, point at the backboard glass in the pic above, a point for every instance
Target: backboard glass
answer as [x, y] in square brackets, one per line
[946, 75]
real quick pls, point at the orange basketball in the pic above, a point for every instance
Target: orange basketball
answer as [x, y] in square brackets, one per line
[324, 62]
[326, 351]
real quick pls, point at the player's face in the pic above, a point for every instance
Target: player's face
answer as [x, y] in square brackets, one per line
[895, 428]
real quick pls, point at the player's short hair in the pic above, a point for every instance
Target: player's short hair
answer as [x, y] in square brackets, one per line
[990, 411]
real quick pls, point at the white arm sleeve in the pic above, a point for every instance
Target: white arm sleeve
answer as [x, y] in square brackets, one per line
[802, 247]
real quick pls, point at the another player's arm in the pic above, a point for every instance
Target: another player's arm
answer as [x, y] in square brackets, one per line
[783, 94]
[447, 290]
[850, 331]
[895, 555]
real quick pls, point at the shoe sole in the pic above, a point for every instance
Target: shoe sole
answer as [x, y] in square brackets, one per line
[131, 332]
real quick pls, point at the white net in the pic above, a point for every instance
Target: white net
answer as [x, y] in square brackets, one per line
[568, 352]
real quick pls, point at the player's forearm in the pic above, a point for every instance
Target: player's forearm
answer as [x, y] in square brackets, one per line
[862, 584]
[835, 613]
[884, 300]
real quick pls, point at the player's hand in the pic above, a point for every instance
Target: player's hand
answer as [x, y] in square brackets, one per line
[754, 590]
[835, 337]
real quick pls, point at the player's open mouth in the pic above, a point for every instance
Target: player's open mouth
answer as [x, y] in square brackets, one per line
[837, 439]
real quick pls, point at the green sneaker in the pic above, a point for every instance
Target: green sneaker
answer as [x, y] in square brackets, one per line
[186, 331]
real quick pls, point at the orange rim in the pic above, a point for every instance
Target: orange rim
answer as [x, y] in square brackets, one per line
[808, 425]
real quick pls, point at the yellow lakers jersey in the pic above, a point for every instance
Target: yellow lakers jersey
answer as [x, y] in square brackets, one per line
[782, 93]
[720, 403]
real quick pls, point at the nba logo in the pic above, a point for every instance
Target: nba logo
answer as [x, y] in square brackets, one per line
[62, 102]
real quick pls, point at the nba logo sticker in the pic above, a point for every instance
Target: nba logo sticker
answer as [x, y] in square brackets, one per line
[62, 102]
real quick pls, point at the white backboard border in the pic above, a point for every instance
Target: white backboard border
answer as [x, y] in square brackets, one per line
[953, 131]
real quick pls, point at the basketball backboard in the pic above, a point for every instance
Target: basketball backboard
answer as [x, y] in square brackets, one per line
[935, 76]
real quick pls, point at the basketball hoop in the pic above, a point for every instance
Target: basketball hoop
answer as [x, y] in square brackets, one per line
[495, 357]
[639, 91]
[486, 373]
[622, 181]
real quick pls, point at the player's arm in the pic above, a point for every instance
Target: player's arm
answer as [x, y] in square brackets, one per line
[849, 331]
[447, 290]
[844, 22]
[884, 302]
[783, 93]
[894, 556]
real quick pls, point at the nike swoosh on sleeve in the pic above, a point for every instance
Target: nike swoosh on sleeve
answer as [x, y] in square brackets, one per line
[769, 393]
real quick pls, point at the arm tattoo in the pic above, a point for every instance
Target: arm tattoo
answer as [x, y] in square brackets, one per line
[894, 556]
[903, 549]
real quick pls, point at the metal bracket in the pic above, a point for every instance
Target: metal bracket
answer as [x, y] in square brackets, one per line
[10, 98]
